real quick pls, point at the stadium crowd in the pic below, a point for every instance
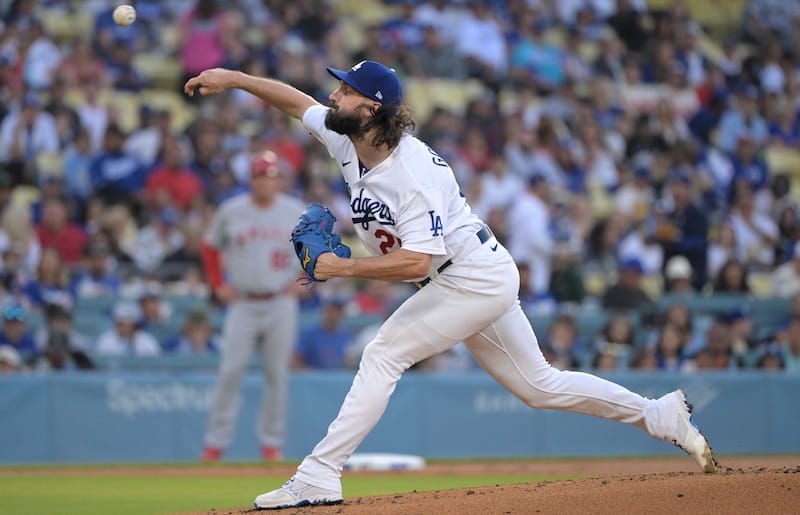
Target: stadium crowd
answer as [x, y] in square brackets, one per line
[624, 154]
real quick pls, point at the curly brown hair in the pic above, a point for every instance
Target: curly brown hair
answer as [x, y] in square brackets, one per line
[390, 123]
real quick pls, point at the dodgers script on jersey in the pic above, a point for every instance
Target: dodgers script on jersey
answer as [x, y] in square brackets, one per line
[410, 200]
[258, 255]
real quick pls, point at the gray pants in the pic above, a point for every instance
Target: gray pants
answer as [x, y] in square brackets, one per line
[271, 326]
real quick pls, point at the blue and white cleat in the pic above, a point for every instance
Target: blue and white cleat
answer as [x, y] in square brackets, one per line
[686, 436]
[294, 494]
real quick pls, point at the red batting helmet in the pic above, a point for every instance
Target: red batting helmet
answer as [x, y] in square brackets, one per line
[264, 163]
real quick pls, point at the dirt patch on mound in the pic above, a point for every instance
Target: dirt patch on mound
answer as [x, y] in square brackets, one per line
[742, 485]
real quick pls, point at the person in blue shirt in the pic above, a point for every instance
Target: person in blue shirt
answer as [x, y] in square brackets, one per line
[748, 166]
[323, 346]
[115, 173]
[97, 277]
[15, 333]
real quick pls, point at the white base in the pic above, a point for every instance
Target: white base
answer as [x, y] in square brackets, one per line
[381, 461]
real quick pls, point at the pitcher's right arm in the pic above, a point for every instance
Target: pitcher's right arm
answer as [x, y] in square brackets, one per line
[278, 94]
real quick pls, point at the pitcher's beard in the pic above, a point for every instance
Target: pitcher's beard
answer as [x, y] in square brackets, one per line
[344, 124]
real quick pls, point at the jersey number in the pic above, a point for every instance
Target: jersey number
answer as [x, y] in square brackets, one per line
[387, 240]
[280, 260]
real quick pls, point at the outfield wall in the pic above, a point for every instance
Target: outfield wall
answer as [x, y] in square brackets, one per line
[160, 416]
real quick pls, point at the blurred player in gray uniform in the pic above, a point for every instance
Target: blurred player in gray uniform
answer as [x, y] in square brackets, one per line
[251, 267]
[409, 213]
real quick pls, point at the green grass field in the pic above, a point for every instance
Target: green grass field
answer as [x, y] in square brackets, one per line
[48, 491]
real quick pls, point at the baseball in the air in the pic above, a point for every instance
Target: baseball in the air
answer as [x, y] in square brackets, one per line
[124, 15]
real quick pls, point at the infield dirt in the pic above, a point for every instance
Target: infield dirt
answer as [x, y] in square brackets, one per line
[746, 485]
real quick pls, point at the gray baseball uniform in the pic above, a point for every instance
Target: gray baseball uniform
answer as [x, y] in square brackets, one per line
[259, 263]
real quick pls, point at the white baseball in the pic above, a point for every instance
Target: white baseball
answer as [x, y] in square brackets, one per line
[124, 15]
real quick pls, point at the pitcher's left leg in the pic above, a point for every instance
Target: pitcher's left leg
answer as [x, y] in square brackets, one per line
[509, 351]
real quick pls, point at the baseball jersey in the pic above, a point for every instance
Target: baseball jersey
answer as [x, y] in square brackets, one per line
[410, 200]
[257, 255]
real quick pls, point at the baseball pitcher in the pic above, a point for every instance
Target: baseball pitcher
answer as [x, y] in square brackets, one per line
[408, 211]
[251, 268]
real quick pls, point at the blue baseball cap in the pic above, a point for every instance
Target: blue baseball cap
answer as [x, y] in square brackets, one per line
[15, 313]
[373, 80]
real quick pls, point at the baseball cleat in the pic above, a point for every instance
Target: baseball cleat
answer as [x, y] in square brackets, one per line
[687, 436]
[294, 494]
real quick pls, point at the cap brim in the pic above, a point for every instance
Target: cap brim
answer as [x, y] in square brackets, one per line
[347, 79]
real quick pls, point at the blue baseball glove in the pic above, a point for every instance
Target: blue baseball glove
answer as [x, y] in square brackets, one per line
[313, 236]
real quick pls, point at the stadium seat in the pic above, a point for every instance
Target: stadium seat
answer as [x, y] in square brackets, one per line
[425, 94]
[783, 160]
[161, 70]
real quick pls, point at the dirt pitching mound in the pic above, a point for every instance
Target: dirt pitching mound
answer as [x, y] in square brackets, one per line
[734, 489]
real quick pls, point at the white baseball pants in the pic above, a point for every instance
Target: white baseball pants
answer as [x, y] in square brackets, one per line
[271, 326]
[475, 301]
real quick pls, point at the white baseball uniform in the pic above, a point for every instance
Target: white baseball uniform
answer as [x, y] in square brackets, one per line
[411, 200]
[259, 263]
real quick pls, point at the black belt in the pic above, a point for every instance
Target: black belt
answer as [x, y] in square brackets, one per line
[484, 235]
[259, 296]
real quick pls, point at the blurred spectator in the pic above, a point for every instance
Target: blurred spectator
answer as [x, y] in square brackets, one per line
[57, 232]
[94, 115]
[15, 333]
[786, 278]
[627, 294]
[51, 283]
[19, 237]
[80, 66]
[683, 230]
[107, 33]
[561, 345]
[97, 277]
[124, 76]
[716, 353]
[756, 233]
[42, 55]
[678, 315]
[125, 338]
[77, 162]
[59, 346]
[374, 298]
[146, 141]
[645, 359]
[748, 166]
[206, 35]
[669, 348]
[436, 58]
[721, 250]
[26, 132]
[533, 303]
[172, 183]
[116, 175]
[10, 362]
[481, 43]
[740, 325]
[791, 345]
[323, 345]
[629, 24]
[529, 232]
[771, 358]
[678, 275]
[155, 312]
[742, 118]
[158, 242]
[732, 278]
[196, 336]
